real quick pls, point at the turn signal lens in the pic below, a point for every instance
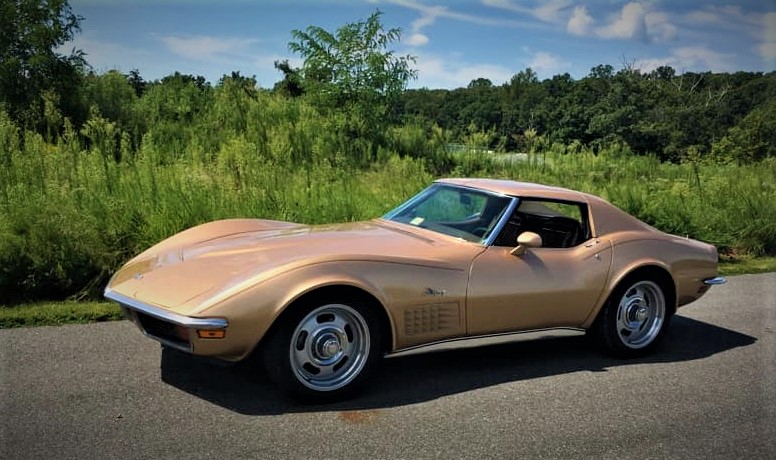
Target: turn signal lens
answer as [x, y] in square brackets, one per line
[211, 334]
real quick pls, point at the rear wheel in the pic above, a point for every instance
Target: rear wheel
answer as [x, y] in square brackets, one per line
[634, 319]
[325, 352]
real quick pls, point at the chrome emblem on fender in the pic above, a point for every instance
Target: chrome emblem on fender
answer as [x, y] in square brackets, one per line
[435, 292]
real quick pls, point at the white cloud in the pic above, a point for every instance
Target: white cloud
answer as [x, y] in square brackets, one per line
[648, 65]
[547, 11]
[102, 54]
[733, 19]
[205, 47]
[721, 15]
[580, 23]
[506, 5]
[690, 58]
[417, 40]
[551, 11]
[769, 22]
[547, 64]
[444, 12]
[437, 72]
[660, 27]
[729, 18]
[701, 57]
[630, 23]
[767, 48]
[768, 52]
[428, 17]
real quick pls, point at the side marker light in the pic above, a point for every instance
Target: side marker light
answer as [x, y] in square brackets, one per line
[211, 333]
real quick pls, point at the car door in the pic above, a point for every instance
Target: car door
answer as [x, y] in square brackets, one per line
[544, 287]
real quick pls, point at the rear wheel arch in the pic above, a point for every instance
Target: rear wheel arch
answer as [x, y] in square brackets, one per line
[652, 272]
[657, 274]
[649, 289]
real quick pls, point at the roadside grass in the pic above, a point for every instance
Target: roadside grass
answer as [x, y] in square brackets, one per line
[72, 312]
[57, 313]
[747, 265]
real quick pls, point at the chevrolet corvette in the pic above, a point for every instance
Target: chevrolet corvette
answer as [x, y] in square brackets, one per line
[464, 258]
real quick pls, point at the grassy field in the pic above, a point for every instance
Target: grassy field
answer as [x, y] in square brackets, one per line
[75, 208]
[747, 265]
[57, 313]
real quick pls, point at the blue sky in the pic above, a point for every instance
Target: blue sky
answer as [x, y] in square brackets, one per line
[454, 41]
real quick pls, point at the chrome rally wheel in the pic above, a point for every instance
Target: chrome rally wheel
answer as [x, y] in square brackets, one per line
[323, 350]
[640, 314]
[330, 347]
[635, 317]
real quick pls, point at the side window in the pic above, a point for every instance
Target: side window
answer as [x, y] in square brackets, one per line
[561, 224]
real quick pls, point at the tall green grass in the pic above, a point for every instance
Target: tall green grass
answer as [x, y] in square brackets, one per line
[73, 212]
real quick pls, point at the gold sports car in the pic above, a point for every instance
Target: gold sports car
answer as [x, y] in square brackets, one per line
[463, 258]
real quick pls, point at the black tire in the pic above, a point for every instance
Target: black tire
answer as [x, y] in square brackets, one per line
[323, 352]
[634, 319]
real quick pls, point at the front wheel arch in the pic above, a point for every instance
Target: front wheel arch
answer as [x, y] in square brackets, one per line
[336, 292]
[352, 306]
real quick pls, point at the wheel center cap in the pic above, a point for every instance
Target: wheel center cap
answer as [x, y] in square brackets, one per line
[642, 314]
[330, 347]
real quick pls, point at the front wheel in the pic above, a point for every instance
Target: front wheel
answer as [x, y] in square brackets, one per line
[323, 353]
[633, 320]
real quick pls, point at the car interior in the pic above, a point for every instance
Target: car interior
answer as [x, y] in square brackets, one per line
[560, 225]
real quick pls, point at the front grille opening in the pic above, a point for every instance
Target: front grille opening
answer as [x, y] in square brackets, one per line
[163, 330]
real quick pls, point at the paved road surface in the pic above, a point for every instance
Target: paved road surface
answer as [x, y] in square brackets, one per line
[103, 391]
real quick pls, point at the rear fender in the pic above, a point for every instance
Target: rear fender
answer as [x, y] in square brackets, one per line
[621, 268]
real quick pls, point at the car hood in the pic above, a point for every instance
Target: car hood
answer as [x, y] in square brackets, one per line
[206, 261]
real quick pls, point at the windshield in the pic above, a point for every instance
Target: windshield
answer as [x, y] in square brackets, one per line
[456, 211]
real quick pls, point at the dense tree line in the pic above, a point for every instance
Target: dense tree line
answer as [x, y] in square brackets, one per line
[353, 75]
[721, 117]
[676, 117]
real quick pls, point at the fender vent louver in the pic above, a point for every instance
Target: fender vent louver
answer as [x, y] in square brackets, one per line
[432, 318]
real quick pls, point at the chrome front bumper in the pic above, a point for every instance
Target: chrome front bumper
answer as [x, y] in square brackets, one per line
[715, 281]
[161, 325]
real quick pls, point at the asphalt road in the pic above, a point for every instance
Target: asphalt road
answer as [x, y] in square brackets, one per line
[103, 391]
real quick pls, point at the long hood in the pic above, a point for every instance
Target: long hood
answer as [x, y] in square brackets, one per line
[207, 261]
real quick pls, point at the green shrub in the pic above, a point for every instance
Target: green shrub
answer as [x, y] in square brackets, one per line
[72, 212]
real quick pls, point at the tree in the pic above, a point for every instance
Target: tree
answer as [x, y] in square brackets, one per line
[480, 83]
[290, 85]
[522, 106]
[137, 82]
[31, 31]
[753, 139]
[353, 69]
[115, 100]
[113, 95]
[170, 110]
